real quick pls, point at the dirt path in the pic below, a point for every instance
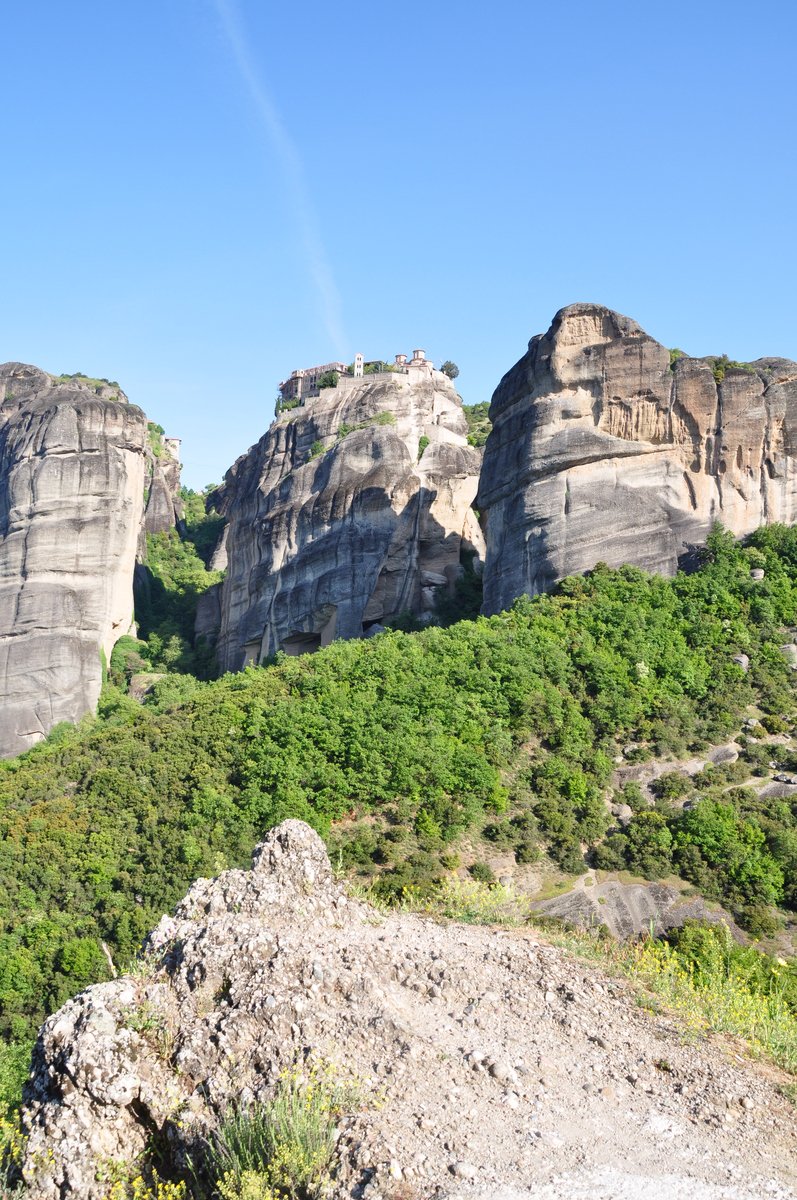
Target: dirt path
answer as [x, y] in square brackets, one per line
[550, 1083]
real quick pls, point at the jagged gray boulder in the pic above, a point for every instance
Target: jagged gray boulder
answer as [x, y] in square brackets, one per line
[347, 513]
[71, 504]
[486, 1060]
[601, 450]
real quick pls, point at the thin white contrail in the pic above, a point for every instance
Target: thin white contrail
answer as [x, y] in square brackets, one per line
[293, 171]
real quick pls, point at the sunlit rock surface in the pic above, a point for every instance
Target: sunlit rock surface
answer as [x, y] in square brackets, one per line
[602, 450]
[347, 513]
[490, 1065]
[71, 504]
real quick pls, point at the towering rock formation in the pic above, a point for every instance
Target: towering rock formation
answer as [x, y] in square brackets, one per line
[164, 507]
[602, 450]
[346, 513]
[71, 504]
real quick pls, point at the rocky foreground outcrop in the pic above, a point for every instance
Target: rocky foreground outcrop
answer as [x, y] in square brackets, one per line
[490, 1064]
[71, 503]
[347, 513]
[603, 450]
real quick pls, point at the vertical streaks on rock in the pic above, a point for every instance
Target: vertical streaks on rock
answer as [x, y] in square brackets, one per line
[71, 501]
[164, 505]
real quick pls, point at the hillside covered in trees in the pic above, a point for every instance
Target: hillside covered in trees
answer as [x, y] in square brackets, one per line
[414, 755]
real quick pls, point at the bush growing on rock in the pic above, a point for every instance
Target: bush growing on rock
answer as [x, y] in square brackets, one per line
[282, 1148]
[672, 785]
[632, 795]
[482, 872]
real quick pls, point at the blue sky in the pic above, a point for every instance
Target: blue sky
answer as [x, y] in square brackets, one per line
[201, 195]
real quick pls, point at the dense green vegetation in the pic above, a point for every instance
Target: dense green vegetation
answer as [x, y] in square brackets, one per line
[478, 418]
[155, 435]
[202, 524]
[710, 951]
[404, 749]
[168, 587]
[282, 405]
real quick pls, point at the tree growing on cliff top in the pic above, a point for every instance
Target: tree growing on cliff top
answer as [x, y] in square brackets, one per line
[450, 369]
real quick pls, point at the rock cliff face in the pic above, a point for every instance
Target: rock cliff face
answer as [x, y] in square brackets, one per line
[490, 1064]
[602, 451]
[71, 504]
[347, 512]
[164, 507]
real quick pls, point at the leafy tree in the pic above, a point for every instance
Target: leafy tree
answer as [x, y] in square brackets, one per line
[203, 525]
[649, 845]
[611, 854]
[735, 848]
[632, 795]
[450, 369]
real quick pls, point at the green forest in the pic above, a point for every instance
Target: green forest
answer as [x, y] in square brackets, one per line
[412, 754]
